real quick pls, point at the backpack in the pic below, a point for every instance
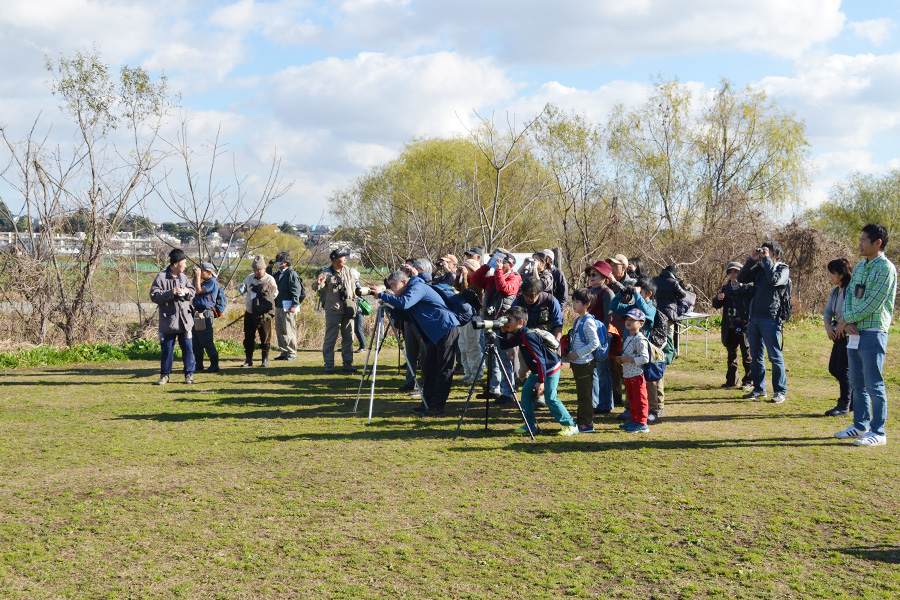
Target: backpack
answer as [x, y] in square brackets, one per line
[602, 351]
[659, 331]
[785, 302]
[656, 368]
[220, 303]
[302, 290]
[548, 340]
[455, 303]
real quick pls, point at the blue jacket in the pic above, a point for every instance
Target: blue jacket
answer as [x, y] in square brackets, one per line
[543, 314]
[426, 307]
[648, 309]
[766, 276]
[214, 296]
[540, 360]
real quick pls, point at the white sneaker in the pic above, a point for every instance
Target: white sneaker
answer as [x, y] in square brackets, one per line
[871, 439]
[777, 398]
[850, 432]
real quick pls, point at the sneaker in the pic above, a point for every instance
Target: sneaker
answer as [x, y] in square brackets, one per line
[625, 415]
[246, 363]
[212, 370]
[636, 428]
[871, 438]
[756, 395]
[406, 387]
[568, 431]
[747, 387]
[778, 398]
[836, 412]
[727, 385]
[281, 357]
[163, 380]
[523, 430]
[350, 369]
[652, 418]
[627, 423]
[419, 410]
[189, 379]
[328, 370]
[503, 400]
[360, 350]
[850, 432]
[586, 428]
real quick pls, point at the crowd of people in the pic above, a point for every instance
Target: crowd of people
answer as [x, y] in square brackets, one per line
[621, 339]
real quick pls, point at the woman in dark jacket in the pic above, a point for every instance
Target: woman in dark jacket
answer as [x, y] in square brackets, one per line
[840, 271]
[669, 290]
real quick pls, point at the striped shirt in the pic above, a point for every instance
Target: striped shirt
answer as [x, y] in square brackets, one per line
[874, 309]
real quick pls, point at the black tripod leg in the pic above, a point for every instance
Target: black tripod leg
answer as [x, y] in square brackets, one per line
[468, 399]
[515, 397]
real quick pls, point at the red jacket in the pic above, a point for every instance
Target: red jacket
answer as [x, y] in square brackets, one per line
[498, 284]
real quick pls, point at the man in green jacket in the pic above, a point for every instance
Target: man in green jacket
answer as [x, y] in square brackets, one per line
[287, 303]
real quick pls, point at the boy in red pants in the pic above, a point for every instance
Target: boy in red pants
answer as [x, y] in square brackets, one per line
[635, 354]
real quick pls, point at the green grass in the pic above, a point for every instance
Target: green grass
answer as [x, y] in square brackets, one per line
[42, 356]
[263, 484]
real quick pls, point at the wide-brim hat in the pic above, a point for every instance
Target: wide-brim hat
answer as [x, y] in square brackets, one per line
[602, 267]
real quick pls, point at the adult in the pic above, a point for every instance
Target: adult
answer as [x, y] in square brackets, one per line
[338, 292]
[636, 268]
[287, 303]
[359, 318]
[474, 253]
[620, 276]
[560, 289]
[770, 278]
[419, 268]
[447, 267]
[536, 267]
[734, 300]
[599, 276]
[260, 291]
[669, 290]
[469, 341]
[868, 309]
[839, 271]
[439, 329]
[173, 292]
[501, 286]
[208, 303]
[619, 280]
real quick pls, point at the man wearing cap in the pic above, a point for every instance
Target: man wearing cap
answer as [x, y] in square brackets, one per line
[208, 304]
[287, 303]
[734, 300]
[501, 286]
[619, 266]
[560, 289]
[172, 292]
[475, 253]
[447, 264]
[338, 291]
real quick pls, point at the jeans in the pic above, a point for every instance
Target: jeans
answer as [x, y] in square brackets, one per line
[358, 329]
[556, 407]
[867, 381]
[765, 335]
[167, 344]
[498, 381]
[601, 393]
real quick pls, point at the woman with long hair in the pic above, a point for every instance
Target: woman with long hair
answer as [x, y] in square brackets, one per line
[839, 270]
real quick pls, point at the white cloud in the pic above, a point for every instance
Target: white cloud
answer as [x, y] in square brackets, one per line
[877, 31]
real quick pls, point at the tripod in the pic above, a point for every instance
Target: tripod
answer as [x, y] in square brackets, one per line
[490, 355]
[378, 336]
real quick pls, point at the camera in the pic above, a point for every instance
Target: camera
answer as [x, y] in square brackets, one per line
[495, 325]
[628, 295]
[731, 312]
[759, 250]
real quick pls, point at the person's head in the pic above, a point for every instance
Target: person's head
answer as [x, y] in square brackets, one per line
[508, 262]
[775, 249]
[545, 256]
[283, 259]
[516, 317]
[531, 289]
[259, 266]
[475, 253]
[840, 271]
[873, 240]
[645, 287]
[635, 267]
[177, 261]
[338, 258]
[448, 262]
[582, 300]
[618, 263]
[397, 281]
[598, 274]
[207, 271]
[732, 270]
[634, 320]
[423, 265]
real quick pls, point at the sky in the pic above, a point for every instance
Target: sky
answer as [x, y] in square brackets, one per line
[334, 88]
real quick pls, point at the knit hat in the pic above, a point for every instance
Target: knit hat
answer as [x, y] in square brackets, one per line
[259, 263]
[177, 255]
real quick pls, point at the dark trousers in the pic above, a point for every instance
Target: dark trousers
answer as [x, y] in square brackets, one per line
[415, 350]
[618, 382]
[253, 325]
[167, 345]
[358, 329]
[437, 369]
[584, 387]
[733, 341]
[204, 342]
[839, 367]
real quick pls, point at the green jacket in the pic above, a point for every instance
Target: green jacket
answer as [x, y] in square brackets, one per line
[290, 287]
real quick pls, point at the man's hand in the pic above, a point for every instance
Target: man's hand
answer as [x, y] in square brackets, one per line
[293, 309]
[846, 328]
[539, 389]
[572, 355]
[721, 296]
[320, 279]
[373, 289]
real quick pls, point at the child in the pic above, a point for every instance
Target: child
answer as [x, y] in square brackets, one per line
[635, 353]
[544, 366]
[584, 340]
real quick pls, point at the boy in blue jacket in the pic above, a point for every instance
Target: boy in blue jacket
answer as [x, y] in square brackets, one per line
[544, 366]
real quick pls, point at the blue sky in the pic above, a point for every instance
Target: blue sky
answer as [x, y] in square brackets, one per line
[339, 86]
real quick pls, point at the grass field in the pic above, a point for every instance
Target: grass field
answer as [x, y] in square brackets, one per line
[263, 484]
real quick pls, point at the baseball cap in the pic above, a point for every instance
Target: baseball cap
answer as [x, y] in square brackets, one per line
[619, 259]
[339, 253]
[548, 253]
[207, 266]
[636, 314]
[733, 265]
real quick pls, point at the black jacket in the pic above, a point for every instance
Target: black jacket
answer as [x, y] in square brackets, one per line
[669, 290]
[766, 276]
[735, 308]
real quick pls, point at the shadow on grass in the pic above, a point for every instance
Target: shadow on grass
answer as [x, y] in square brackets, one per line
[558, 446]
[884, 553]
